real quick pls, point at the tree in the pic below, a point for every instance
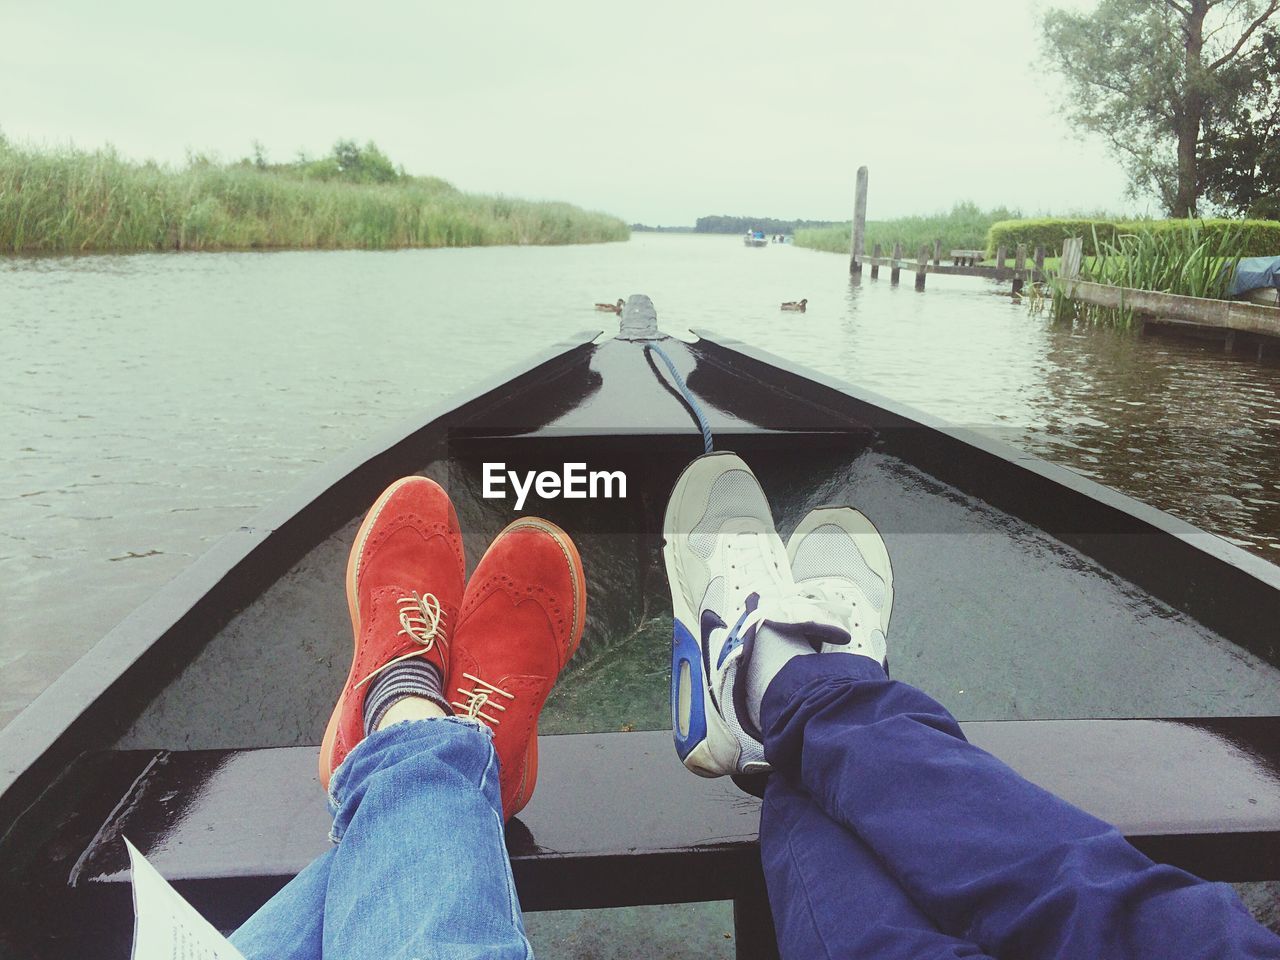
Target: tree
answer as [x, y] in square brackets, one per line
[366, 164]
[1241, 167]
[1145, 74]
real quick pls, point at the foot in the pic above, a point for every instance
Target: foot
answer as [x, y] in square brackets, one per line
[839, 559]
[404, 588]
[731, 585]
[521, 621]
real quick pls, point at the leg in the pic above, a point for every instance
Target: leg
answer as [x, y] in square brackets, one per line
[831, 896]
[420, 868]
[982, 852]
[290, 926]
[419, 797]
[988, 855]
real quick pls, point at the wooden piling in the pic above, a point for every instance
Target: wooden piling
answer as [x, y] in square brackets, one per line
[1072, 254]
[896, 270]
[857, 241]
[937, 253]
[922, 265]
[999, 261]
[1019, 264]
[875, 262]
[1039, 263]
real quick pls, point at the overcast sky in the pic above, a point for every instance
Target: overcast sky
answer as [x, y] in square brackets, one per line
[657, 111]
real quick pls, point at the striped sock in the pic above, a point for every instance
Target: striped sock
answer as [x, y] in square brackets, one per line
[408, 678]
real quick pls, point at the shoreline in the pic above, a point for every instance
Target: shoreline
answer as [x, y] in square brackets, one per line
[72, 201]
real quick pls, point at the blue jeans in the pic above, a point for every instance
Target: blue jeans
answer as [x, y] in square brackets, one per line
[886, 834]
[419, 869]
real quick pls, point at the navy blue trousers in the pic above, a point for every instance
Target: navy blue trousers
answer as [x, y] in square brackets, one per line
[885, 834]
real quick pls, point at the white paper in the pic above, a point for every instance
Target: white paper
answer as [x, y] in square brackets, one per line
[166, 927]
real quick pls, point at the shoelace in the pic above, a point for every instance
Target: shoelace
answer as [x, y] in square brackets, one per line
[750, 548]
[842, 598]
[421, 619]
[480, 696]
[835, 594]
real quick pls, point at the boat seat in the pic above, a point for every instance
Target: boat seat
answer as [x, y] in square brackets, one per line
[617, 821]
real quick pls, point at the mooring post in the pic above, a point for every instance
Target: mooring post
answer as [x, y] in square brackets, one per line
[875, 262]
[859, 237]
[937, 253]
[1072, 255]
[1039, 271]
[922, 265]
[1019, 263]
[896, 269]
[1000, 262]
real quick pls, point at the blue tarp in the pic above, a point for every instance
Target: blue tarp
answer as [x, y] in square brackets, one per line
[1255, 272]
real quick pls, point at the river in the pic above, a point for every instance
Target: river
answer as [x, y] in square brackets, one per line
[154, 402]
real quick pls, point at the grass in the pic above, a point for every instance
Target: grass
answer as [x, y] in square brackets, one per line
[964, 227]
[70, 200]
[1190, 262]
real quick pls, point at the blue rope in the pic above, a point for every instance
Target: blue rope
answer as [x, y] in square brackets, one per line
[685, 392]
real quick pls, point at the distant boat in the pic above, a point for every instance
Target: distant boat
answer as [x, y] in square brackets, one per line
[755, 238]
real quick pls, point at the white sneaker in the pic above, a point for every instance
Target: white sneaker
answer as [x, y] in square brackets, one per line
[839, 559]
[729, 574]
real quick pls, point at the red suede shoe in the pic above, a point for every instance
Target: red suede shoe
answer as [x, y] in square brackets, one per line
[404, 588]
[521, 621]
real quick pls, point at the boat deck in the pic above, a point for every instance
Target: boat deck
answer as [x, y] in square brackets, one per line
[995, 618]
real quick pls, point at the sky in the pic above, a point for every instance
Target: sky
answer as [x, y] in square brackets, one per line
[658, 112]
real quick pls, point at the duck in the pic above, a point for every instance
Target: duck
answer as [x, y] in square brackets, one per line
[797, 305]
[611, 307]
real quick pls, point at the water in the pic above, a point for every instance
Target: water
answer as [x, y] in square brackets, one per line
[154, 402]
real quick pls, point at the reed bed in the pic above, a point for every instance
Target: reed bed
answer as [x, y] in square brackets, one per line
[1191, 262]
[69, 200]
[964, 227]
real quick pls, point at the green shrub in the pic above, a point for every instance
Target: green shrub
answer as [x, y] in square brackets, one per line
[1048, 232]
[1249, 238]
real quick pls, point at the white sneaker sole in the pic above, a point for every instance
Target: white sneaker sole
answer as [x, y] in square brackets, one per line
[703, 741]
[866, 538]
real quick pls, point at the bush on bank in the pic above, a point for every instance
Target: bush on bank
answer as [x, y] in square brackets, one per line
[1251, 238]
[70, 200]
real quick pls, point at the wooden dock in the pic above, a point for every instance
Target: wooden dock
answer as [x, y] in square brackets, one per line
[1236, 323]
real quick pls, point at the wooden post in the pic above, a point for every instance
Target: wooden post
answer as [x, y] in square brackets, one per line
[999, 262]
[1019, 264]
[937, 253]
[922, 265]
[896, 269]
[875, 262]
[858, 240]
[1039, 261]
[1072, 254]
